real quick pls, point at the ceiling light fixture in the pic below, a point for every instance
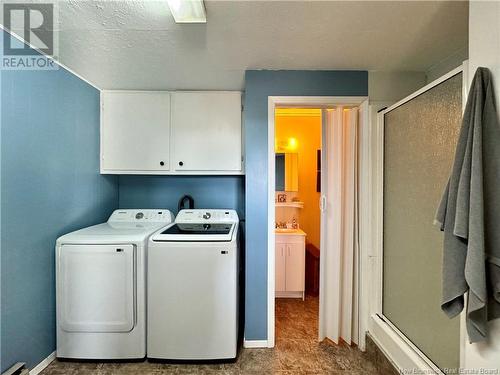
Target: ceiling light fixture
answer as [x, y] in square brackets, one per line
[188, 11]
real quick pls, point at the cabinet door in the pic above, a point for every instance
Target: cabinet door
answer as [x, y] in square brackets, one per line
[295, 264]
[206, 131]
[280, 273]
[135, 131]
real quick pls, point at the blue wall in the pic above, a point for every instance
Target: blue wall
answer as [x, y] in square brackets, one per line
[50, 185]
[165, 192]
[258, 86]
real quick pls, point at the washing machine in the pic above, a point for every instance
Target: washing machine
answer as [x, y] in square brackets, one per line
[101, 286]
[193, 287]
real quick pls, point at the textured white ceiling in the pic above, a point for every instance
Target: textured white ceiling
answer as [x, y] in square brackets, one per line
[136, 44]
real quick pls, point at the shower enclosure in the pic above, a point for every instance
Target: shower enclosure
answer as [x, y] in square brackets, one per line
[419, 139]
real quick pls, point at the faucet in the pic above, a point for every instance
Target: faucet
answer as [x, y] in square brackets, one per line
[279, 224]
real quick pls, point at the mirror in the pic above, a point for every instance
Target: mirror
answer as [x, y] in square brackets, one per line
[287, 171]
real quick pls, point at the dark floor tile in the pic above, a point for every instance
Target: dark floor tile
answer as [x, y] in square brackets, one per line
[252, 360]
[297, 351]
[127, 368]
[71, 367]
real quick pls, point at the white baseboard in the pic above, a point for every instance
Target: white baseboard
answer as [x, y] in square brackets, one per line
[289, 295]
[255, 344]
[42, 365]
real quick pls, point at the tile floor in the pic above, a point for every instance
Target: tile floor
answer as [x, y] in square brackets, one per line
[297, 351]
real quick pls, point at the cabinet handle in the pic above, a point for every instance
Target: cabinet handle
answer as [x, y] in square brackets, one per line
[288, 249]
[181, 163]
[162, 163]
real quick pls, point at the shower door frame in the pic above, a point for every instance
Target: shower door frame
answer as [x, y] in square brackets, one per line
[388, 337]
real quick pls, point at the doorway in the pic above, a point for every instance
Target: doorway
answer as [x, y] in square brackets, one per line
[288, 243]
[298, 138]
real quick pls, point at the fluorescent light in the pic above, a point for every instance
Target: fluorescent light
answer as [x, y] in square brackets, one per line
[188, 11]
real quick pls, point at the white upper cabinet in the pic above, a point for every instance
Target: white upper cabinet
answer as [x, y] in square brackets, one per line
[135, 131]
[159, 132]
[206, 131]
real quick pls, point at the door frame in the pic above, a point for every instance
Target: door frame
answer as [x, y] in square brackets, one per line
[365, 188]
[402, 352]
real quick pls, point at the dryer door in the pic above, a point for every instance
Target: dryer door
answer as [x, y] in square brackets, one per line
[96, 288]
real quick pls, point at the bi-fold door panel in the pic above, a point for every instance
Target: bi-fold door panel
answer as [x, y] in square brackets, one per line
[419, 141]
[96, 288]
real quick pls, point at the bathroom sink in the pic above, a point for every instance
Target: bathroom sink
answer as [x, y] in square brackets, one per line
[285, 230]
[290, 231]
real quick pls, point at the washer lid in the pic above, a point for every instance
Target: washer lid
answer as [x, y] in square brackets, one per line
[197, 232]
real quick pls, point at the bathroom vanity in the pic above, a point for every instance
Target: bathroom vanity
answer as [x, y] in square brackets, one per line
[290, 263]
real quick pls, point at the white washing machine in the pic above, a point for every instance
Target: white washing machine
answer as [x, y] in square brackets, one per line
[101, 286]
[193, 287]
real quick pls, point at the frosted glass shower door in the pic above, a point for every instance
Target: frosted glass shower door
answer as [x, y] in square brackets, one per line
[419, 143]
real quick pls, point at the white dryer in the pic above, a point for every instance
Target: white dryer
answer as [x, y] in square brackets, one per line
[101, 286]
[193, 287]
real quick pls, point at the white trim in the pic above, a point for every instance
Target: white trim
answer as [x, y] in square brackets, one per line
[302, 102]
[463, 328]
[101, 111]
[252, 344]
[50, 57]
[379, 209]
[365, 186]
[271, 218]
[295, 295]
[370, 261]
[42, 365]
[315, 101]
[427, 87]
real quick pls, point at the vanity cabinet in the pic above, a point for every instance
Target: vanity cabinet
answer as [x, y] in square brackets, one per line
[160, 132]
[290, 265]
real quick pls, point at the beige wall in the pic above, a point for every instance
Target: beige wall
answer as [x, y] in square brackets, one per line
[451, 62]
[307, 131]
[390, 86]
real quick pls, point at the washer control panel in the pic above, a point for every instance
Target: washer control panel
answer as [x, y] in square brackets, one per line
[207, 216]
[141, 216]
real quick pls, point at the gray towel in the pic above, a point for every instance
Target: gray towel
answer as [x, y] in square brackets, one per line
[469, 214]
